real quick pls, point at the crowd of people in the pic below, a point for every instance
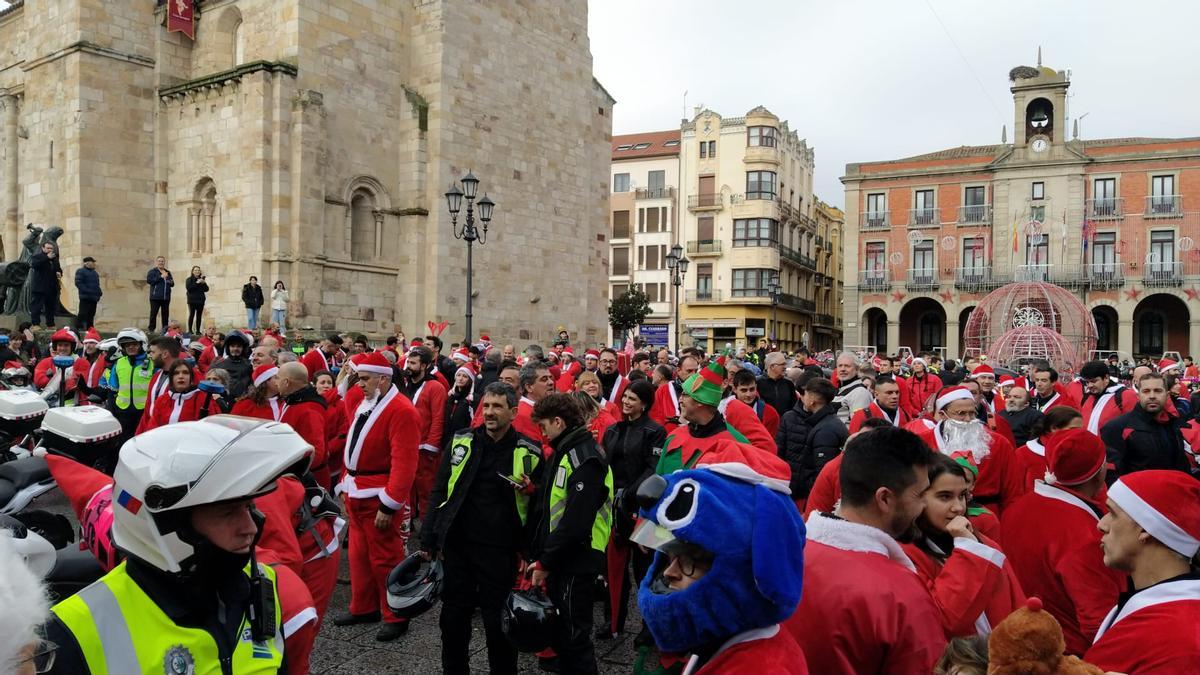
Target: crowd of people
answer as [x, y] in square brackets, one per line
[763, 511]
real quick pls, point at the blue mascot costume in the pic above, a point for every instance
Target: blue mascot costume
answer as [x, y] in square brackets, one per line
[735, 534]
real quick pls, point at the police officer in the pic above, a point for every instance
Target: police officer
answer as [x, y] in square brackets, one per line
[129, 380]
[480, 501]
[189, 595]
[569, 524]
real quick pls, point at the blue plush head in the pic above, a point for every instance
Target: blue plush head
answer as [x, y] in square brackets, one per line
[756, 537]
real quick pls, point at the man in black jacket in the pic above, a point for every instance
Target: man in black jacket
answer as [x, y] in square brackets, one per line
[236, 362]
[46, 273]
[476, 526]
[810, 435]
[570, 519]
[1147, 437]
[774, 389]
[252, 298]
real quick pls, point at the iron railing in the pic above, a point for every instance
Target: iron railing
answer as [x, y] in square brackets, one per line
[975, 214]
[875, 220]
[704, 247]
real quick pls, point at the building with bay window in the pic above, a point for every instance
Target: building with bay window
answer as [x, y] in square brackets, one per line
[1114, 220]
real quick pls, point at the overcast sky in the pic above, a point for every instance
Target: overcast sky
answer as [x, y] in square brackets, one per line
[867, 80]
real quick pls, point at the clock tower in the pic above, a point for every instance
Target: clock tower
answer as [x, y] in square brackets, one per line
[1039, 107]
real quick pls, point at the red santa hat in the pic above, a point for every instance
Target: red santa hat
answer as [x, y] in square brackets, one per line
[982, 369]
[265, 372]
[356, 359]
[551, 357]
[375, 364]
[415, 342]
[466, 368]
[64, 335]
[77, 481]
[592, 354]
[461, 355]
[92, 336]
[747, 463]
[1021, 382]
[1165, 365]
[1166, 504]
[918, 360]
[568, 352]
[952, 394]
[1073, 456]
[1007, 381]
[484, 338]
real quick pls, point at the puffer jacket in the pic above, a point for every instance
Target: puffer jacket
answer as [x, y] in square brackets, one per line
[807, 441]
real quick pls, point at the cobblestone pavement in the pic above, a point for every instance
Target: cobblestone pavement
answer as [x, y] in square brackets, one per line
[353, 649]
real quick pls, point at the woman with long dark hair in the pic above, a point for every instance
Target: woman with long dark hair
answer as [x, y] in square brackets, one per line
[183, 401]
[197, 291]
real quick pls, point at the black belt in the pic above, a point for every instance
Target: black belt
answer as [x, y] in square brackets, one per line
[367, 473]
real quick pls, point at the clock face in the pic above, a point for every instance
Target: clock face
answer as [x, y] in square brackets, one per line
[1039, 145]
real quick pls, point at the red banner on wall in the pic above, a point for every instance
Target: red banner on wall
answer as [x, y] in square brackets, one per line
[181, 17]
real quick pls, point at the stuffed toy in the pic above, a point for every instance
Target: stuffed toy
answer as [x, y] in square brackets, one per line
[1030, 642]
[743, 515]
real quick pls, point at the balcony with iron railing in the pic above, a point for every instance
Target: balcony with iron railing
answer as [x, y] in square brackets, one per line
[874, 280]
[1163, 274]
[1164, 206]
[702, 295]
[786, 212]
[975, 214]
[1104, 275]
[823, 320]
[922, 279]
[667, 192]
[707, 201]
[797, 302]
[1034, 272]
[819, 241]
[819, 279]
[1107, 208]
[874, 220]
[974, 279]
[704, 247]
[927, 217]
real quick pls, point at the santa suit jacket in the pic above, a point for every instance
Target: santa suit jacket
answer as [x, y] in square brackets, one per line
[743, 418]
[1000, 482]
[524, 424]
[1051, 538]
[337, 421]
[565, 382]
[1031, 458]
[304, 411]
[207, 356]
[172, 407]
[1153, 630]
[248, 408]
[975, 587]
[665, 410]
[864, 609]
[1100, 410]
[316, 361]
[429, 399]
[46, 370]
[160, 384]
[767, 415]
[381, 450]
[919, 391]
[1061, 397]
[761, 650]
[278, 531]
[874, 411]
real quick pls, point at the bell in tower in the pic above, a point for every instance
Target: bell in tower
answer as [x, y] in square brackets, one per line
[1039, 118]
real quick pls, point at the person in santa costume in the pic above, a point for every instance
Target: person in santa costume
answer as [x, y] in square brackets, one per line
[612, 382]
[337, 421]
[1152, 532]
[164, 352]
[666, 398]
[744, 386]
[986, 377]
[568, 370]
[1051, 538]
[864, 609]
[591, 360]
[972, 583]
[922, 386]
[700, 406]
[1047, 390]
[886, 406]
[324, 356]
[886, 365]
[183, 401]
[304, 409]
[1104, 398]
[725, 577]
[428, 396]
[381, 464]
[992, 421]
[51, 379]
[97, 363]
[460, 402]
[261, 399]
[1031, 456]
[957, 428]
[589, 383]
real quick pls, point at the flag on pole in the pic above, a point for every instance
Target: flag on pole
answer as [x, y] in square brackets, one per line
[181, 17]
[1014, 232]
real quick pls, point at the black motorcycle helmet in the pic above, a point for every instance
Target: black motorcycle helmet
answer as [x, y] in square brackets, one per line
[528, 620]
[413, 586]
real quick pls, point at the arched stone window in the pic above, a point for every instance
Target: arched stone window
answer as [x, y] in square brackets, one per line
[239, 48]
[204, 219]
[366, 225]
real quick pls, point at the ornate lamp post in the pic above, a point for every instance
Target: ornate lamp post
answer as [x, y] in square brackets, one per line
[775, 290]
[468, 231]
[678, 265]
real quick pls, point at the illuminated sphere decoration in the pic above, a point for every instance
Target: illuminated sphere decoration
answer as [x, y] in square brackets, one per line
[1030, 319]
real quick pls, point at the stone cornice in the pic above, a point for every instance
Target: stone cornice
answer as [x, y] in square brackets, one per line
[88, 48]
[224, 78]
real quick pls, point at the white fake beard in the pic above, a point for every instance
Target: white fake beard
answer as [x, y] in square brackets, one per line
[972, 438]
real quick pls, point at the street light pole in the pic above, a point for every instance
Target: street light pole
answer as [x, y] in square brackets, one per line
[468, 231]
[678, 265]
[775, 290]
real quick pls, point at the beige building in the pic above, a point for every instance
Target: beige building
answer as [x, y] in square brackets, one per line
[644, 213]
[747, 186]
[1114, 220]
[827, 283]
[310, 142]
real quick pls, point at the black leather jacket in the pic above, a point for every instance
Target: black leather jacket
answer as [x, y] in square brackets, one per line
[632, 449]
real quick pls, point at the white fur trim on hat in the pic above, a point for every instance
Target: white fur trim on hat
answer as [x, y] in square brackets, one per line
[956, 394]
[375, 370]
[920, 361]
[265, 375]
[1153, 521]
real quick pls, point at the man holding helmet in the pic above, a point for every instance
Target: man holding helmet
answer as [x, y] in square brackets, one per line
[190, 593]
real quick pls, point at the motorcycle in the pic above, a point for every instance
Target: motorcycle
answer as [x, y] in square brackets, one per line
[45, 541]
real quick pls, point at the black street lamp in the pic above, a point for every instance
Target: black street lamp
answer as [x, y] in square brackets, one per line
[776, 292]
[468, 231]
[678, 265]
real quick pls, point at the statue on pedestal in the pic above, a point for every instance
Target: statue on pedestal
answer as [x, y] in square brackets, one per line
[16, 284]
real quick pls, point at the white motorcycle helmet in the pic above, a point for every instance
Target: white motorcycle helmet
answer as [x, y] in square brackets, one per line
[167, 471]
[127, 334]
